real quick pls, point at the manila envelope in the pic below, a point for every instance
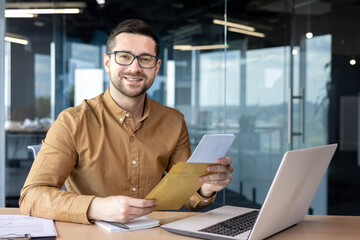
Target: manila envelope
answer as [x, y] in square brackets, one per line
[178, 185]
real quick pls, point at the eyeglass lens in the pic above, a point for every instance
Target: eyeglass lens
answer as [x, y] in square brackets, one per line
[145, 61]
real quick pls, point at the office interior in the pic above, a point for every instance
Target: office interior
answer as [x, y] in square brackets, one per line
[280, 74]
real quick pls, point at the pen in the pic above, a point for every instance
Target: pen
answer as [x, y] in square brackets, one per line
[117, 224]
[15, 236]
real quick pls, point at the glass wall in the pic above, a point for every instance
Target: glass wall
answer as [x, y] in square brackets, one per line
[27, 98]
[280, 75]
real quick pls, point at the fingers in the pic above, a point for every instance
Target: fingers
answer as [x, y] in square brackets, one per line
[220, 168]
[224, 161]
[129, 213]
[130, 208]
[140, 203]
[221, 177]
[222, 172]
[120, 209]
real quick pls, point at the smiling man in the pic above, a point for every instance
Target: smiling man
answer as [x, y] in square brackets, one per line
[112, 150]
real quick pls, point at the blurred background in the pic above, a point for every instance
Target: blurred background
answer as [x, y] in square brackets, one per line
[280, 74]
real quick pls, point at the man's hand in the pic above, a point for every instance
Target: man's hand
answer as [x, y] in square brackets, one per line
[219, 180]
[120, 209]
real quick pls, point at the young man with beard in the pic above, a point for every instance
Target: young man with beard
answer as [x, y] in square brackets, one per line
[112, 150]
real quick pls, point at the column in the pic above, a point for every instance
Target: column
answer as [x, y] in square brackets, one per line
[2, 94]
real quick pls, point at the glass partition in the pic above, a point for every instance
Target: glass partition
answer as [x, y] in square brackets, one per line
[280, 75]
[27, 98]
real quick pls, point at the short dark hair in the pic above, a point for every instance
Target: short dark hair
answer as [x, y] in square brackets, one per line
[134, 26]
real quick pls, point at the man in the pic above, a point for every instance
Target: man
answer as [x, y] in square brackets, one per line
[112, 150]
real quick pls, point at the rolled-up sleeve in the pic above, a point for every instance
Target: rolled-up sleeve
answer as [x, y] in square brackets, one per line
[41, 194]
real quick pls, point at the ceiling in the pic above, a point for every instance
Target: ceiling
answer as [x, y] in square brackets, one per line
[161, 14]
[184, 21]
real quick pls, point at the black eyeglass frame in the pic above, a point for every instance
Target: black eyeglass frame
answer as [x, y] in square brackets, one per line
[134, 57]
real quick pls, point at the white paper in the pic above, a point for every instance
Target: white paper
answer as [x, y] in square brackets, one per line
[20, 225]
[211, 148]
[136, 224]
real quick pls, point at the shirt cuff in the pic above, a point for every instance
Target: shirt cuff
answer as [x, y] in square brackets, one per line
[197, 202]
[79, 208]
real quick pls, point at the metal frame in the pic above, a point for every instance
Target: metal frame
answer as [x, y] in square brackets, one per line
[301, 95]
[2, 111]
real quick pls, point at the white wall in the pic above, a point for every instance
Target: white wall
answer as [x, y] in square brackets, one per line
[88, 84]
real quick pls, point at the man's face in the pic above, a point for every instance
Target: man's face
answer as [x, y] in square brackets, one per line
[131, 81]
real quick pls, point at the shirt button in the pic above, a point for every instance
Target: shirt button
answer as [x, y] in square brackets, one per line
[206, 200]
[127, 115]
[134, 162]
[133, 189]
[121, 119]
[133, 134]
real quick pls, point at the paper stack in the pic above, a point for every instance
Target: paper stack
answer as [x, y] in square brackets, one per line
[136, 224]
[22, 226]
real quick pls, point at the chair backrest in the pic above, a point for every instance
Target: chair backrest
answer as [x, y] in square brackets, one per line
[34, 149]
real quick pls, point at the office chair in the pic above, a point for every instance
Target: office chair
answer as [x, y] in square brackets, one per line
[35, 150]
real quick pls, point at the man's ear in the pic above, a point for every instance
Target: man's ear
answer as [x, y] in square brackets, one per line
[157, 67]
[107, 62]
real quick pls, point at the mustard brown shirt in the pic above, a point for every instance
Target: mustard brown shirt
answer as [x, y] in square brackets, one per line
[96, 151]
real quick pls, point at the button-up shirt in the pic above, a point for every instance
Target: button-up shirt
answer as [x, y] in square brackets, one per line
[95, 149]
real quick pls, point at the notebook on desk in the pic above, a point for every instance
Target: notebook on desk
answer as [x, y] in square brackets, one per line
[287, 202]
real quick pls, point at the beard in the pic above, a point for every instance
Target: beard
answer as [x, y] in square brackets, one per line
[126, 89]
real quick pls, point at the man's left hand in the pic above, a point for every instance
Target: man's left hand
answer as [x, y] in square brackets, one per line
[221, 177]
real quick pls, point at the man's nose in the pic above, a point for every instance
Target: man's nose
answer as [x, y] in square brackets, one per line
[134, 66]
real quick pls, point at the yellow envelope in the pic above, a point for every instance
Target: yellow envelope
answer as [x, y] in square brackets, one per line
[178, 185]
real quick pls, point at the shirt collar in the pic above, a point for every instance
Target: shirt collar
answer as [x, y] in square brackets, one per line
[120, 113]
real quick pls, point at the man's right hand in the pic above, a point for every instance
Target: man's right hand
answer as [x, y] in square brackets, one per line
[120, 209]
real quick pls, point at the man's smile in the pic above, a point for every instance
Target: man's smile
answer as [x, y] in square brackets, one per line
[133, 79]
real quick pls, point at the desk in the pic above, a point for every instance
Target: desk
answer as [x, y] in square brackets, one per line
[313, 227]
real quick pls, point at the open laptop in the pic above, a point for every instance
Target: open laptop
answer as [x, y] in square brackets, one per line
[287, 202]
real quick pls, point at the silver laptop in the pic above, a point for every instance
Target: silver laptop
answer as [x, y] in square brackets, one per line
[286, 203]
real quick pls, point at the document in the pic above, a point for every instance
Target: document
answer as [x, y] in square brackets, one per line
[178, 185]
[212, 147]
[182, 181]
[17, 226]
[136, 224]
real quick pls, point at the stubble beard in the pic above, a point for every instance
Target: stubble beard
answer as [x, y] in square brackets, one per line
[118, 82]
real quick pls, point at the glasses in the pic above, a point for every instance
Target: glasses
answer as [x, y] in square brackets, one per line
[126, 59]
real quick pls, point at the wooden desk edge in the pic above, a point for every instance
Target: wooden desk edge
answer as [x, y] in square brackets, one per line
[329, 227]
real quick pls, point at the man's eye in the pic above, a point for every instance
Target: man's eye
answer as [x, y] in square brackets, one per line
[145, 59]
[124, 56]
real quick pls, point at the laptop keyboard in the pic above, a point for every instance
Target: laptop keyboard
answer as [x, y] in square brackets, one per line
[234, 226]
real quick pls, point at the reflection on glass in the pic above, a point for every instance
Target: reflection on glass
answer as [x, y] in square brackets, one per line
[84, 60]
[42, 85]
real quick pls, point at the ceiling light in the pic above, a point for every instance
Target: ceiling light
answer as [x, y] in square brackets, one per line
[48, 4]
[309, 35]
[16, 40]
[20, 15]
[43, 11]
[182, 47]
[39, 23]
[352, 62]
[235, 25]
[203, 47]
[100, 2]
[256, 34]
